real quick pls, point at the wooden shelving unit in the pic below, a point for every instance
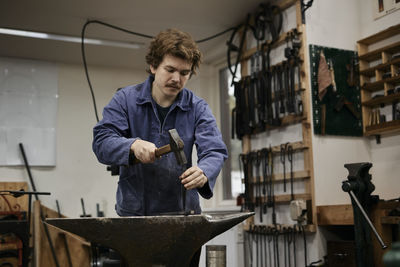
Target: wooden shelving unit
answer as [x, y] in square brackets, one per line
[305, 146]
[379, 74]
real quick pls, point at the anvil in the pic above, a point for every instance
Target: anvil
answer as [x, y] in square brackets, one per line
[152, 240]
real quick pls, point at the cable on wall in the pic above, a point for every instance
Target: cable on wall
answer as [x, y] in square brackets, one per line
[129, 32]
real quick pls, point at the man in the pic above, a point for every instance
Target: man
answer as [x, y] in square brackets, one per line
[136, 122]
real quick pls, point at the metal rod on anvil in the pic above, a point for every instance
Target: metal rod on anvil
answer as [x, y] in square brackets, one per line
[152, 240]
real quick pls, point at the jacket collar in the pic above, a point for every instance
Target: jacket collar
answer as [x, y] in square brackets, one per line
[181, 101]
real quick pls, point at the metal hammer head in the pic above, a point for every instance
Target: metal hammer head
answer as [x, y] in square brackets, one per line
[177, 145]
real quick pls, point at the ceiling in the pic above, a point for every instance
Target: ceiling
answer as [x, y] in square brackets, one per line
[201, 18]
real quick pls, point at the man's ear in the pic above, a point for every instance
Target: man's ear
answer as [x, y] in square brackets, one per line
[152, 69]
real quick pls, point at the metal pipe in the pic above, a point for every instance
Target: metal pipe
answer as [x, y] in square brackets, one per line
[46, 230]
[367, 219]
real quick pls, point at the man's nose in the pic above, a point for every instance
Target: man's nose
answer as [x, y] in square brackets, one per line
[176, 76]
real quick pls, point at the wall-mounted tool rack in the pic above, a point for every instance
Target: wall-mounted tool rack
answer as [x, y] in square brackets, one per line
[380, 80]
[306, 176]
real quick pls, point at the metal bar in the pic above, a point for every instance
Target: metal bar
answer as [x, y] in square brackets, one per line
[64, 238]
[367, 219]
[46, 230]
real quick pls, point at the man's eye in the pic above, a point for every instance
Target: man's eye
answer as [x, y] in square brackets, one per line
[185, 73]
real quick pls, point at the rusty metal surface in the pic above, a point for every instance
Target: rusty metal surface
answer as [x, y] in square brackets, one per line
[152, 240]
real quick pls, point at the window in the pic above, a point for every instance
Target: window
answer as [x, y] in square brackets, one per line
[231, 173]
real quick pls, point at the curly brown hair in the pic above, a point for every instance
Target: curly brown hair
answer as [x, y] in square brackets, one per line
[176, 43]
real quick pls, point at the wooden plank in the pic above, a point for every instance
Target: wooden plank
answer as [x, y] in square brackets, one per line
[385, 231]
[306, 125]
[378, 85]
[390, 220]
[78, 247]
[335, 215]
[377, 54]
[278, 177]
[17, 204]
[283, 199]
[370, 72]
[387, 33]
[382, 100]
[383, 128]
[308, 228]
[36, 233]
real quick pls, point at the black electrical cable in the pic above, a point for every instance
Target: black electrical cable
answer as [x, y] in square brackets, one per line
[126, 31]
[86, 69]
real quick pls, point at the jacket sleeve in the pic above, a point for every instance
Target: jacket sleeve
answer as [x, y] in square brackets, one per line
[211, 150]
[111, 136]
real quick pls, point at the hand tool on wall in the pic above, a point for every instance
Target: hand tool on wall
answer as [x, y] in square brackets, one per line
[290, 159]
[283, 161]
[271, 186]
[284, 246]
[264, 157]
[276, 246]
[233, 48]
[342, 101]
[257, 160]
[294, 232]
[277, 90]
[323, 118]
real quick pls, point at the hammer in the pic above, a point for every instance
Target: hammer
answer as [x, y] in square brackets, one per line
[175, 145]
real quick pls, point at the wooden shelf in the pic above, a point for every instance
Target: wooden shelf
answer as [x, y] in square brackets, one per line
[377, 54]
[308, 228]
[382, 100]
[283, 199]
[378, 85]
[335, 215]
[305, 146]
[387, 33]
[385, 67]
[389, 64]
[299, 175]
[383, 128]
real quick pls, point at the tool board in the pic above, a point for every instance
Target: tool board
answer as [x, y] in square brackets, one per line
[341, 122]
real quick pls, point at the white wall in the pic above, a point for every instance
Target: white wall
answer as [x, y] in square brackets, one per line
[77, 173]
[340, 24]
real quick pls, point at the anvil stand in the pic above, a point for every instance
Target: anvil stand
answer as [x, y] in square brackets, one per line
[360, 187]
[20, 228]
[162, 241]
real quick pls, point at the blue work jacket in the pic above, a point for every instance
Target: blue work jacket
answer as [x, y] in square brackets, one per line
[155, 188]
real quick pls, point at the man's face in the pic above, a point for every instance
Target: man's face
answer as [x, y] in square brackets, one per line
[170, 76]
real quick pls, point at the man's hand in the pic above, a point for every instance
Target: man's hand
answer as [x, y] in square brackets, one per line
[193, 178]
[144, 151]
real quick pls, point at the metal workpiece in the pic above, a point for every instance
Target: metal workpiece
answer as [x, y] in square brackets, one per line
[152, 240]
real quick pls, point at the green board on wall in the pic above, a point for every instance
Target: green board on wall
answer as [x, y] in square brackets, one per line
[343, 120]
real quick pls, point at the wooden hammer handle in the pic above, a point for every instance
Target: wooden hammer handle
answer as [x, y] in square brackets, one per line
[163, 150]
[159, 152]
